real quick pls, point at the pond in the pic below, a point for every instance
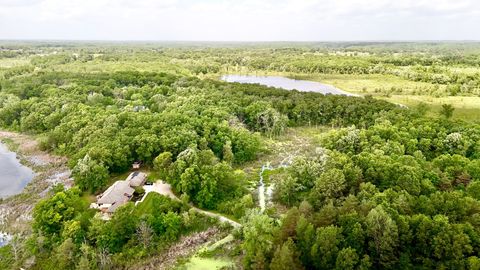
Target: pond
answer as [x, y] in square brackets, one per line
[287, 84]
[13, 175]
[4, 239]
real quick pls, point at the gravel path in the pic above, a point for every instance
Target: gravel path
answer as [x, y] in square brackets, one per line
[166, 190]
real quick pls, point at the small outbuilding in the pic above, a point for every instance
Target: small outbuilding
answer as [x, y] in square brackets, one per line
[136, 179]
[136, 165]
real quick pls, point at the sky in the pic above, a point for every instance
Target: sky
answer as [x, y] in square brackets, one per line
[240, 20]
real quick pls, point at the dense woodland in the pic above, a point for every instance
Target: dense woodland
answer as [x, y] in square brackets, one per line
[388, 187]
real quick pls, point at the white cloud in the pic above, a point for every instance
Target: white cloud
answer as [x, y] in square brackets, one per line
[240, 19]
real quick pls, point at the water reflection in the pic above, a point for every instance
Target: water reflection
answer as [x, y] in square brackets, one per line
[287, 83]
[13, 175]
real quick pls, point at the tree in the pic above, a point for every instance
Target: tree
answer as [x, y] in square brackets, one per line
[17, 246]
[383, 233]
[287, 190]
[421, 109]
[285, 257]
[330, 185]
[447, 110]
[289, 225]
[50, 214]
[245, 145]
[66, 254]
[121, 228]
[326, 246]
[355, 236]
[365, 263]
[144, 234]
[205, 179]
[90, 174]
[227, 153]
[450, 244]
[262, 117]
[105, 259]
[88, 259]
[162, 163]
[258, 231]
[473, 263]
[305, 234]
[72, 229]
[172, 223]
[347, 259]
[473, 190]
[307, 170]
[245, 203]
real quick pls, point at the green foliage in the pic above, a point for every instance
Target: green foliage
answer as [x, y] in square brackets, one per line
[68, 236]
[383, 234]
[399, 194]
[200, 175]
[50, 214]
[227, 154]
[447, 110]
[347, 259]
[89, 174]
[285, 257]
[155, 202]
[331, 184]
[258, 231]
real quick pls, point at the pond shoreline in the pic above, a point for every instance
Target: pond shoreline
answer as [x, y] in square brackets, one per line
[14, 175]
[286, 83]
[16, 210]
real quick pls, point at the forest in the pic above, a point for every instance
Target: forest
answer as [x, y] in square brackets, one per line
[372, 185]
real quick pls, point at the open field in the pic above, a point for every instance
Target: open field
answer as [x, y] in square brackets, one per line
[375, 84]
[466, 108]
[401, 91]
[13, 62]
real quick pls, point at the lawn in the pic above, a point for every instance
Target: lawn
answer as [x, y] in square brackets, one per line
[198, 263]
[147, 205]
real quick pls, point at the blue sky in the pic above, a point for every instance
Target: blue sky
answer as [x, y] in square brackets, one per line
[240, 20]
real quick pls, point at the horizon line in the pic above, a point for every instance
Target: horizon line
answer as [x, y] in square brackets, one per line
[237, 41]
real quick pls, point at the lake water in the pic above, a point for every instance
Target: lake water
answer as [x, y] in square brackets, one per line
[4, 239]
[287, 83]
[13, 175]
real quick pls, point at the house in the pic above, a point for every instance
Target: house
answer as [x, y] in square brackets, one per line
[136, 179]
[116, 195]
[119, 193]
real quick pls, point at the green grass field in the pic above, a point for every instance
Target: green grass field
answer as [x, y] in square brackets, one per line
[375, 84]
[466, 108]
[198, 263]
[411, 93]
[147, 206]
